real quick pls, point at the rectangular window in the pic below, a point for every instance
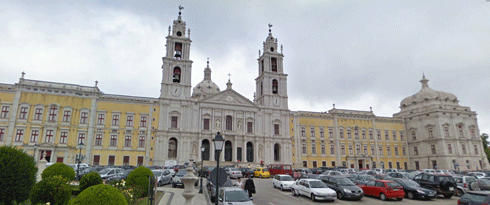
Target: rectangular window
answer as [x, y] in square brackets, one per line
[356, 133]
[405, 164]
[396, 151]
[34, 135]
[472, 131]
[332, 149]
[322, 133]
[303, 148]
[323, 149]
[303, 132]
[333, 163]
[314, 164]
[5, 112]
[446, 131]
[111, 160]
[63, 137]
[460, 128]
[401, 135]
[23, 113]
[341, 133]
[324, 163]
[127, 141]
[430, 132]
[342, 149]
[174, 122]
[98, 140]
[49, 135]
[349, 134]
[313, 148]
[81, 138]
[126, 161]
[434, 164]
[463, 148]
[449, 148]
[351, 151]
[142, 141]
[276, 129]
[387, 137]
[415, 151]
[365, 149]
[229, 123]
[140, 161]
[206, 124]
[371, 135]
[101, 119]
[312, 132]
[2, 134]
[330, 133]
[274, 64]
[394, 136]
[38, 114]
[380, 150]
[364, 134]
[390, 165]
[398, 165]
[113, 141]
[417, 166]
[96, 160]
[115, 120]
[250, 127]
[388, 150]
[18, 135]
[476, 148]
[129, 121]
[53, 111]
[83, 117]
[143, 121]
[379, 134]
[358, 149]
[372, 150]
[414, 137]
[66, 115]
[305, 164]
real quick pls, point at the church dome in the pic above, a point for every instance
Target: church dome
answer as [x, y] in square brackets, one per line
[427, 94]
[206, 87]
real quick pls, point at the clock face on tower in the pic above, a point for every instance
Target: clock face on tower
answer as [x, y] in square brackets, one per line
[276, 101]
[176, 91]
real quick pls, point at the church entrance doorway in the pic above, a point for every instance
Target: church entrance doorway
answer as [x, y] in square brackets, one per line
[228, 151]
[250, 152]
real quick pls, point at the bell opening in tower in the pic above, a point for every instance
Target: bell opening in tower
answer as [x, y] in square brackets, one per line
[176, 76]
[274, 64]
[178, 51]
[274, 86]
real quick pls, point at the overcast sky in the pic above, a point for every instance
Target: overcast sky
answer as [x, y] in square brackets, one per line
[356, 54]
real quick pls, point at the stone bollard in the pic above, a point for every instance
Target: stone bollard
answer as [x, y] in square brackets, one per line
[189, 180]
[41, 166]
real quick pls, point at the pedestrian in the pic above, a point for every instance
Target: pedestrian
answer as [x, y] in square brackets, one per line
[239, 183]
[249, 186]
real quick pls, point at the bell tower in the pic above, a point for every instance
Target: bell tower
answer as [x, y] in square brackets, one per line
[177, 68]
[271, 84]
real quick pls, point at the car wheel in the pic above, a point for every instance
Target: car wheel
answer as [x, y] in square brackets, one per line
[339, 195]
[282, 188]
[459, 192]
[293, 192]
[313, 197]
[261, 176]
[448, 196]
[173, 186]
[273, 185]
[382, 196]
[399, 199]
[410, 195]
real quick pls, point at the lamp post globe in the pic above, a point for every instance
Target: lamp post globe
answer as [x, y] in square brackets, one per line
[202, 171]
[218, 147]
[79, 160]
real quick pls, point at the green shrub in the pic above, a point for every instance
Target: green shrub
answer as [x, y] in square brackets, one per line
[59, 169]
[99, 195]
[90, 179]
[52, 189]
[139, 178]
[17, 173]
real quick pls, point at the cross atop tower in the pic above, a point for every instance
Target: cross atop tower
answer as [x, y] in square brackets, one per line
[229, 75]
[180, 9]
[270, 27]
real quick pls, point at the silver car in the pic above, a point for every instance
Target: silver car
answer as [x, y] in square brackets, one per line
[109, 172]
[234, 173]
[233, 195]
[163, 177]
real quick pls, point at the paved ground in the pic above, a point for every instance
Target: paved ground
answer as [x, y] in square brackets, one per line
[174, 196]
[266, 195]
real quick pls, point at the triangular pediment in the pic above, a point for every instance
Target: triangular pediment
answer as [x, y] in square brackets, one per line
[46, 144]
[229, 97]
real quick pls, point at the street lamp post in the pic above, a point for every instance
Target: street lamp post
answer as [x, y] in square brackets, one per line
[202, 171]
[218, 147]
[79, 160]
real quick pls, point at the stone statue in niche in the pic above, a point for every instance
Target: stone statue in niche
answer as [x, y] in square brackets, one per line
[194, 148]
[218, 124]
[260, 151]
[239, 125]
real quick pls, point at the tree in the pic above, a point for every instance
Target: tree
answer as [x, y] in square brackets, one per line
[484, 138]
[17, 174]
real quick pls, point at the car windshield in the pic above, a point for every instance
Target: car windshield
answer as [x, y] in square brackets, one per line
[344, 182]
[236, 196]
[393, 184]
[408, 175]
[410, 183]
[317, 184]
[181, 172]
[308, 171]
[446, 178]
[234, 170]
[473, 198]
[104, 171]
[287, 178]
[287, 167]
[368, 178]
[265, 170]
[157, 173]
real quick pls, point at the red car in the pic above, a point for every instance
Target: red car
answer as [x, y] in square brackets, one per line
[384, 189]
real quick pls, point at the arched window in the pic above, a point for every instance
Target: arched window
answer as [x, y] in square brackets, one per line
[176, 76]
[205, 154]
[274, 64]
[275, 86]
[178, 51]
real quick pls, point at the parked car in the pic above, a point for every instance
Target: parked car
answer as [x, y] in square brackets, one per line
[282, 181]
[120, 176]
[361, 179]
[483, 184]
[211, 187]
[234, 195]
[383, 177]
[305, 173]
[475, 198]
[247, 171]
[154, 167]
[234, 173]
[316, 170]
[384, 189]
[443, 184]
[91, 169]
[170, 169]
[206, 171]
[430, 171]
[344, 187]
[109, 172]
[477, 174]
[401, 175]
[176, 182]
[373, 172]
[262, 172]
[464, 184]
[413, 190]
[332, 173]
[377, 170]
[163, 177]
[390, 170]
[315, 189]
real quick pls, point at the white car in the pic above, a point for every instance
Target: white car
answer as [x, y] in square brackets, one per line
[332, 173]
[109, 172]
[313, 188]
[171, 170]
[478, 175]
[234, 173]
[432, 171]
[282, 181]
